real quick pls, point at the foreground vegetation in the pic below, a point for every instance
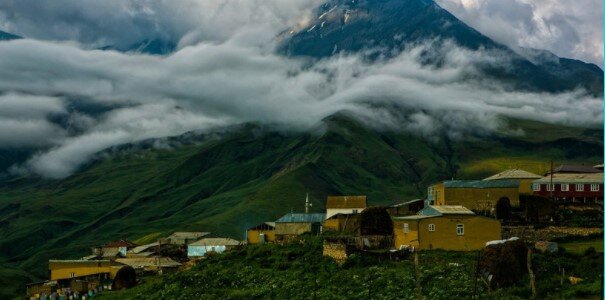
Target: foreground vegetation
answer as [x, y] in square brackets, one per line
[299, 271]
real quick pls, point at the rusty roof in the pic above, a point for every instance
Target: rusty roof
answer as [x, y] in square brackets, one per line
[346, 202]
[120, 243]
[142, 262]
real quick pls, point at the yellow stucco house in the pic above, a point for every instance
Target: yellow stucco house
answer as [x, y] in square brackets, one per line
[477, 195]
[445, 227]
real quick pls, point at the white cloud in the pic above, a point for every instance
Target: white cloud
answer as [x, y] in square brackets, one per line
[226, 73]
[572, 29]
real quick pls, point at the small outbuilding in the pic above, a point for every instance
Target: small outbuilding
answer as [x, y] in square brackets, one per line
[262, 233]
[295, 224]
[183, 238]
[206, 245]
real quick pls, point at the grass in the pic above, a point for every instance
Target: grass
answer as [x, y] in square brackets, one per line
[299, 271]
[225, 185]
[579, 247]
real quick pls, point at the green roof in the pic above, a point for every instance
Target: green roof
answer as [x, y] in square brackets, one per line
[302, 218]
[482, 184]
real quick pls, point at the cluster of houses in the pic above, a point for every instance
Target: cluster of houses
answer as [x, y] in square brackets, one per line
[117, 264]
[459, 215]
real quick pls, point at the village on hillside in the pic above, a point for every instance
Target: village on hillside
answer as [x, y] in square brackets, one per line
[456, 215]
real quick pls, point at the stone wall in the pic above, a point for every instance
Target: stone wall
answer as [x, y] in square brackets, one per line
[533, 235]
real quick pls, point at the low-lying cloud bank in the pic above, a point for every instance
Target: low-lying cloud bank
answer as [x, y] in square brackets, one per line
[217, 84]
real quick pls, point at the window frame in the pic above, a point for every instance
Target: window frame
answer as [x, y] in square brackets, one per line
[431, 227]
[579, 187]
[592, 189]
[550, 187]
[459, 229]
[406, 228]
[536, 187]
[564, 187]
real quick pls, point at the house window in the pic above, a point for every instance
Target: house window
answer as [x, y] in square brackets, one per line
[565, 187]
[431, 227]
[579, 187]
[72, 275]
[406, 227]
[550, 187]
[594, 187]
[535, 187]
[460, 229]
[354, 211]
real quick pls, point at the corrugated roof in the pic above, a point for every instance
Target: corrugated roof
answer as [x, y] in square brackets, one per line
[513, 174]
[188, 235]
[346, 202]
[142, 262]
[302, 218]
[412, 217]
[482, 184]
[216, 242]
[142, 248]
[439, 210]
[572, 178]
[575, 169]
[407, 202]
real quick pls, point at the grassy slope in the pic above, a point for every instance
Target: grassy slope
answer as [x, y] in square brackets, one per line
[290, 272]
[226, 185]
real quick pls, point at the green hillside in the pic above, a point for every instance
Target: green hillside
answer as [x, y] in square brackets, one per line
[252, 174]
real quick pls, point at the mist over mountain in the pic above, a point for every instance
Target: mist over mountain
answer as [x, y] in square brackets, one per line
[228, 115]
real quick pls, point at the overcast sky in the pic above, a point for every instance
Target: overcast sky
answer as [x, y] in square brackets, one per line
[225, 72]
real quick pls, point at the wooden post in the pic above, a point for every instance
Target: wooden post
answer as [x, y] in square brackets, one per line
[476, 275]
[532, 276]
[417, 267]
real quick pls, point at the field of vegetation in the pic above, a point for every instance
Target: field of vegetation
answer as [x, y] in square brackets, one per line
[299, 271]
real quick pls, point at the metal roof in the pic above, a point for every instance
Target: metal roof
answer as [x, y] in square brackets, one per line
[142, 262]
[439, 210]
[575, 169]
[142, 248]
[216, 242]
[513, 174]
[188, 235]
[412, 217]
[346, 202]
[407, 202]
[572, 178]
[302, 218]
[482, 184]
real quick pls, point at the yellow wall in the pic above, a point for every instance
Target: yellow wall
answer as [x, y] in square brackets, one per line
[342, 224]
[254, 236]
[437, 191]
[64, 270]
[525, 186]
[479, 199]
[477, 231]
[402, 238]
